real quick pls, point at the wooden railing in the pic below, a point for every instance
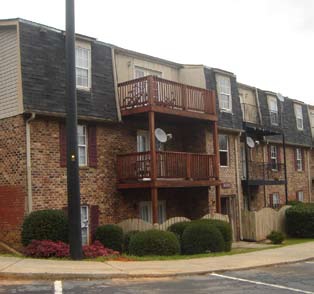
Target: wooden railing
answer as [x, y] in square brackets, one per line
[266, 171]
[170, 165]
[152, 90]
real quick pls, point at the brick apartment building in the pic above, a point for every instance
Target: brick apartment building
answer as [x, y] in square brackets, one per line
[123, 97]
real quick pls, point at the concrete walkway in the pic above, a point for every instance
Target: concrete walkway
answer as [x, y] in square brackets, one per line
[55, 269]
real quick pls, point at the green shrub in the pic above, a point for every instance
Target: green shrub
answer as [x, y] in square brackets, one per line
[202, 237]
[300, 220]
[225, 230]
[45, 225]
[276, 237]
[111, 236]
[154, 242]
[294, 202]
[126, 240]
[178, 229]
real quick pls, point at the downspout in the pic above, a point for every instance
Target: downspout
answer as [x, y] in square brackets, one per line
[28, 164]
[115, 81]
[309, 174]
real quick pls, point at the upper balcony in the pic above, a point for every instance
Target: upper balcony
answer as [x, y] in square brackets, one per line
[254, 115]
[152, 93]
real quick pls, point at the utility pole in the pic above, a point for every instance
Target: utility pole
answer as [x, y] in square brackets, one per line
[73, 181]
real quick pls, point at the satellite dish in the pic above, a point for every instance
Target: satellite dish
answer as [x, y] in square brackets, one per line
[161, 135]
[280, 97]
[250, 142]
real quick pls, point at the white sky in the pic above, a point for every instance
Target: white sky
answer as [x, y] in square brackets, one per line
[266, 43]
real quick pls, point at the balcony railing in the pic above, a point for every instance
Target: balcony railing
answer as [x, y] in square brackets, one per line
[260, 115]
[170, 165]
[151, 90]
[266, 171]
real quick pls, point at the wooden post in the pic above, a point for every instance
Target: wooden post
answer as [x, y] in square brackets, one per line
[151, 90]
[188, 166]
[153, 166]
[216, 164]
[184, 97]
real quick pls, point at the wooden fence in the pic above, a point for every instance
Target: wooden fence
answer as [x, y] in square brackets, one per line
[256, 225]
[136, 224]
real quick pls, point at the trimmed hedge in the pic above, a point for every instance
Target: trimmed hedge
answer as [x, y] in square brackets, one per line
[126, 240]
[111, 236]
[178, 229]
[45, 225]
[202, 237]
[225, 230]
[276, 237]
[300, 220]
[154, 242]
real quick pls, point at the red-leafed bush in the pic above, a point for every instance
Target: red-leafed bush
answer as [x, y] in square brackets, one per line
[97, 249]
[47, 248]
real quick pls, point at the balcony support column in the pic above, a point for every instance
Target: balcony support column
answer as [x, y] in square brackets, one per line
[285, 166]
[216, 163]
[153, 166]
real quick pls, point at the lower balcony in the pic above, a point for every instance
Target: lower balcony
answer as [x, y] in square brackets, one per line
[261, 173]
[174, 169]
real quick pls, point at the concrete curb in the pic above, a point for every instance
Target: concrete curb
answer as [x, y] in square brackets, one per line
[98, 276]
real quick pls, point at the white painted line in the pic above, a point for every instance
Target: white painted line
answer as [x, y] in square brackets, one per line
[58, 287]
[311, 262]
[261, 283]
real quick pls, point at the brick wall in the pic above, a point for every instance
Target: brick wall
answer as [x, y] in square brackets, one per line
[12, 177]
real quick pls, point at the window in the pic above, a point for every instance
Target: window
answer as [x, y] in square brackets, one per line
[84, 224]
[82, 145]
[146, 211]
[273, 157]
[298, 157]
[273, 110]
[300, 196]
[83, 67]
[224, 92]
[140, 72]
[274, 200]
[223, 150]
[298, 116]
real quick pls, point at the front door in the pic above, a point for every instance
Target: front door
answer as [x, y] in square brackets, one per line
[229, 207]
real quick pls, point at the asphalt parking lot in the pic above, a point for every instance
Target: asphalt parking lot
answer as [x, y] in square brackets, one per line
[298, 277]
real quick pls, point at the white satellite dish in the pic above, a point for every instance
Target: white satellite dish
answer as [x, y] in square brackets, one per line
[280, 97]
[161, 135]
[250, 142]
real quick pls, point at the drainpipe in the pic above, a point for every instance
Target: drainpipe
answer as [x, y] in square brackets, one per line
[28, 164]
[309, 174]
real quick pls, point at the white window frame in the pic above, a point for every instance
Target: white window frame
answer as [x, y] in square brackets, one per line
[85, 224]
[273, 110]
[274, 157]
[147, 205]
[299, 159]
[146, 72]
[224, 91]
[276, 200]
[224, 150]
[298, 116]
[300, 196]
[82, 146]
[87, 48]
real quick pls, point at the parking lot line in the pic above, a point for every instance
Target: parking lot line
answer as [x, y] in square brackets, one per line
[311, 262]
[261, 283]
[58, 287]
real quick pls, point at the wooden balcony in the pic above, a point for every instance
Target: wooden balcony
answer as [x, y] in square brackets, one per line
[159, 95]
[174, 169]
[261, 173]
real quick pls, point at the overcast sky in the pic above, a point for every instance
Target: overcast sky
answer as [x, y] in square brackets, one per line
[266, 43]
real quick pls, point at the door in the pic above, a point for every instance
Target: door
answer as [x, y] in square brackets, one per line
[85, 224]
[229, 207]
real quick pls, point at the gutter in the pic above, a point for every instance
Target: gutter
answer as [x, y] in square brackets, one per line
[28, 164]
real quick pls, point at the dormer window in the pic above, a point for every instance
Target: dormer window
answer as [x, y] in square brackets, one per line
[224, 93]
[273, 110]
[83, 65]
[298, 116]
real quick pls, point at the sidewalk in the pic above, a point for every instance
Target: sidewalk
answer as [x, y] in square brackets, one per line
[54, 269]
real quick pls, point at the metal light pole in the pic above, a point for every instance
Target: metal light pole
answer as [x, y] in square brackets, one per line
[73, 181]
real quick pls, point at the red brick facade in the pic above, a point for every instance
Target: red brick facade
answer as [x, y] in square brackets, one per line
[12, 177]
